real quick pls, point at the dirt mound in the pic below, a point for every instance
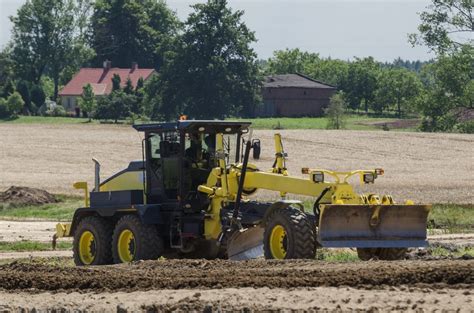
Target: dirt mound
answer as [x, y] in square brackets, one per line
[186, 274]
[19, 196]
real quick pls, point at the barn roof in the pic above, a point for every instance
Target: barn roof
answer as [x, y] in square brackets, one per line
[101, 79]
[294, 81]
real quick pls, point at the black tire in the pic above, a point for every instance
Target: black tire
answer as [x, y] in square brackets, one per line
[386, 254]
[102, 231]
[148, 245]
[300, 233]
[392, 254]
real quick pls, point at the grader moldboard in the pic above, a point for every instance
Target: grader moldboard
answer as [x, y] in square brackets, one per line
[188, 198]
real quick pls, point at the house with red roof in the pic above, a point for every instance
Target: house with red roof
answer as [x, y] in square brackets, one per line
[101, 81]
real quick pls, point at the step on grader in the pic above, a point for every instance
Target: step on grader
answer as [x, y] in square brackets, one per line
[189, 198]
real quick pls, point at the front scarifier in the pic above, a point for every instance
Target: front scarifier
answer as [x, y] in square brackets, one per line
[190, 196]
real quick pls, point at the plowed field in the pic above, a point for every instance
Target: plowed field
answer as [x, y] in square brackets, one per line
[201, 284]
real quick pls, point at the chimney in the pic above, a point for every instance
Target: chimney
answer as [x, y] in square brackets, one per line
[134, 66]
[107, 64]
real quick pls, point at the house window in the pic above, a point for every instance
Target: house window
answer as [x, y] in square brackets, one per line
[69, 102]
[304, 92]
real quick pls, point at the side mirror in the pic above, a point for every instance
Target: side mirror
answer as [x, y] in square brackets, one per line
[256, 149]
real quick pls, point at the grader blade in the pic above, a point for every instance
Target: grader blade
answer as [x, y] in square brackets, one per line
[246, 244]
[373, 226]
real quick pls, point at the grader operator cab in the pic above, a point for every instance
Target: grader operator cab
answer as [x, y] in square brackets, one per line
[189, 198]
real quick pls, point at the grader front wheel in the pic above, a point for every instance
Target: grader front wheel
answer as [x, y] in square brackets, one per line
[289, 234]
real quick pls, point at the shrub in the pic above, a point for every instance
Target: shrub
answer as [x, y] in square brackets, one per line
[56, 111]
[38, 97]
[336, 112]
[15, 104]
[466, 127]
[4, 112]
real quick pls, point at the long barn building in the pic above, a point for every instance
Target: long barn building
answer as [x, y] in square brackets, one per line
[294, 95]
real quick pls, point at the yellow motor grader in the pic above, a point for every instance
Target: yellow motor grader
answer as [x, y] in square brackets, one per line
[189, 198]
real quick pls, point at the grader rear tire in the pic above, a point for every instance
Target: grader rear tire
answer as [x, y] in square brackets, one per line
[289, 234]
[92, 243]
[387, 254]
[132, 240]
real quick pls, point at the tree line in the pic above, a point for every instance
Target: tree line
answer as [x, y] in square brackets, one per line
[207, 68]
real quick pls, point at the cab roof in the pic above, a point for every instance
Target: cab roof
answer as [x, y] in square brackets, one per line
[210, 126]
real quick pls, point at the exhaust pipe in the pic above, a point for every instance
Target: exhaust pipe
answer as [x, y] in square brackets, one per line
[97, 175]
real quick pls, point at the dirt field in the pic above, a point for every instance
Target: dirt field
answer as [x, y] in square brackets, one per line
[258, 285]
[312, 299]
[422, 167]
[419, 166]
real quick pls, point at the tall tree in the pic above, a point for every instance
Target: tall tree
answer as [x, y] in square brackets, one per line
[23, 89]
[8, 89]
[360, 84]
[336, 112]
[446, 25]
[449, 89]
[87, 102]
[6, 66]
[214, 72]
[128, 89]
[116, 82]
[397, 87]
[44, 38]
[126, 31]
[38, 96]
[290, 61]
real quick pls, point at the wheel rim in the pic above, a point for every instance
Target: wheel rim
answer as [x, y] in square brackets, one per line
[87, 247]
[126, 246]
[278, 242]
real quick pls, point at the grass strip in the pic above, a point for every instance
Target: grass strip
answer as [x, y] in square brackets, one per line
[20, 246]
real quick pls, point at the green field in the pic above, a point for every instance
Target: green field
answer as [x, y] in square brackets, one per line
[45, 120]
[61, 211]
[454, 218]
[353, 122]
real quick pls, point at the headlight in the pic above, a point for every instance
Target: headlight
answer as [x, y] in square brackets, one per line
[369, 178]
[318, 177]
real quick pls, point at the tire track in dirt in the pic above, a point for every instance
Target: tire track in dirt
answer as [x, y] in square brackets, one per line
[183, 274]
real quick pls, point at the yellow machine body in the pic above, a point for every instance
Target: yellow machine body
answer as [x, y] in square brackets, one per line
[343, 218]
[346, 219]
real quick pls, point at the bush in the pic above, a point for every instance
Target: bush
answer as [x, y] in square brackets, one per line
[4, 112]
[336, 112]
[56, 111]
[466, 127]
[102, 111]
[38, 97]
[15, 104]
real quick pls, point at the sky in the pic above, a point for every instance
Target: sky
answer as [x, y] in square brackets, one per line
[341, 29]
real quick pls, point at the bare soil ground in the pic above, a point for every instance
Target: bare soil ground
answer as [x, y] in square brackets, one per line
[424, 167]
[257, 285]
[313, 299]
[183, 274]
[11, 231]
